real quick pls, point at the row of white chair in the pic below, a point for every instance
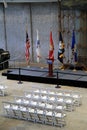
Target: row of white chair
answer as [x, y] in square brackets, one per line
[53, 99]
[58, 92]
[3, 90]
[35, 114]
[40, 103]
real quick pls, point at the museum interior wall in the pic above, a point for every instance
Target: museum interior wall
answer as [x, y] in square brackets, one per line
[45, 17]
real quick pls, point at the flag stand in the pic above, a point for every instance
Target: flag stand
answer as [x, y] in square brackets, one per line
[62, 67]
[20, 82]
[79, 66]
[50, 67]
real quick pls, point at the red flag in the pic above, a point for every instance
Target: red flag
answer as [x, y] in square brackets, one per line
[27, 46]
[51, 51]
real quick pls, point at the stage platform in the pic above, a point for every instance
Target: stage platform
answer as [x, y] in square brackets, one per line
[69, 77]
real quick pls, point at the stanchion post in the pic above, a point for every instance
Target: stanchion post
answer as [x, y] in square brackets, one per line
[57, 86]
[19, 76]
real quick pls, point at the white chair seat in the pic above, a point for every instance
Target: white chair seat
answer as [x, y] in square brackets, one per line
[3, 87]
[60, 115]
[36, 97]
[60, 94]
[49, 113]
[69, 101]
[49, 106]
[60, 100]
[59, 107]
[43, 91]
[18, 101]
[7, 106]
[52, 98]
[25, 101]
[37, 91]
[31, 110]
[28, 95]
[22, 108]
[44, 97]
[52, 93]
[14, 107]
[67, 94]
[33, 103]
[40, 112]
[41, 104]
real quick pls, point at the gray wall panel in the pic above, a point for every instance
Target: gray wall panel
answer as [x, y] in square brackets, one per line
[17, 16]
[2, 34]
[44, 18]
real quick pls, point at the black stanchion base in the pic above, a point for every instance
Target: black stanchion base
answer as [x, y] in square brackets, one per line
[20, 82]
[50, 75]
[58, 86]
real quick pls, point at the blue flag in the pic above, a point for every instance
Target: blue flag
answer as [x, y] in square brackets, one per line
[73, 47]
[73, 40]
[61, 48]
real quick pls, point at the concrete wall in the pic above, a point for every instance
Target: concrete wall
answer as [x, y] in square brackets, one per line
[41, 16]
[17, 16]
[2, 28]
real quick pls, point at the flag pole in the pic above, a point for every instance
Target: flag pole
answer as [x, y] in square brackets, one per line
[59, 24]
[60, 29]
[5, 4]
[59, 15]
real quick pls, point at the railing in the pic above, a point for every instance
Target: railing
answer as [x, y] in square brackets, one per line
[26, 70]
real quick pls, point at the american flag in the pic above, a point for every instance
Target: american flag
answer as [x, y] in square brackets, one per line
[27, 46]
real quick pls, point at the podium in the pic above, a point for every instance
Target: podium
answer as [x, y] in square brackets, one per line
[50, 67]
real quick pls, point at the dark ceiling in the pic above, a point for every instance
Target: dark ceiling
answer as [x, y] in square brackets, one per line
[74, 4]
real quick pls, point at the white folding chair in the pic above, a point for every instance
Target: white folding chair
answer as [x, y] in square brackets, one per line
[70, 103]
[2, 90]
[60, 93]
[40, 115]
[16, 111]
[44, 98]
[49, 117]
[36, 97]
[59, 99]
[52, 99]
[33, 114]
[18, 99]
[33, 103]
[41, 105]
[59, 106]
[28, 94]
[77, 97]
[25, 101]
[7, 109]
[24, 112]
[59, 118]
